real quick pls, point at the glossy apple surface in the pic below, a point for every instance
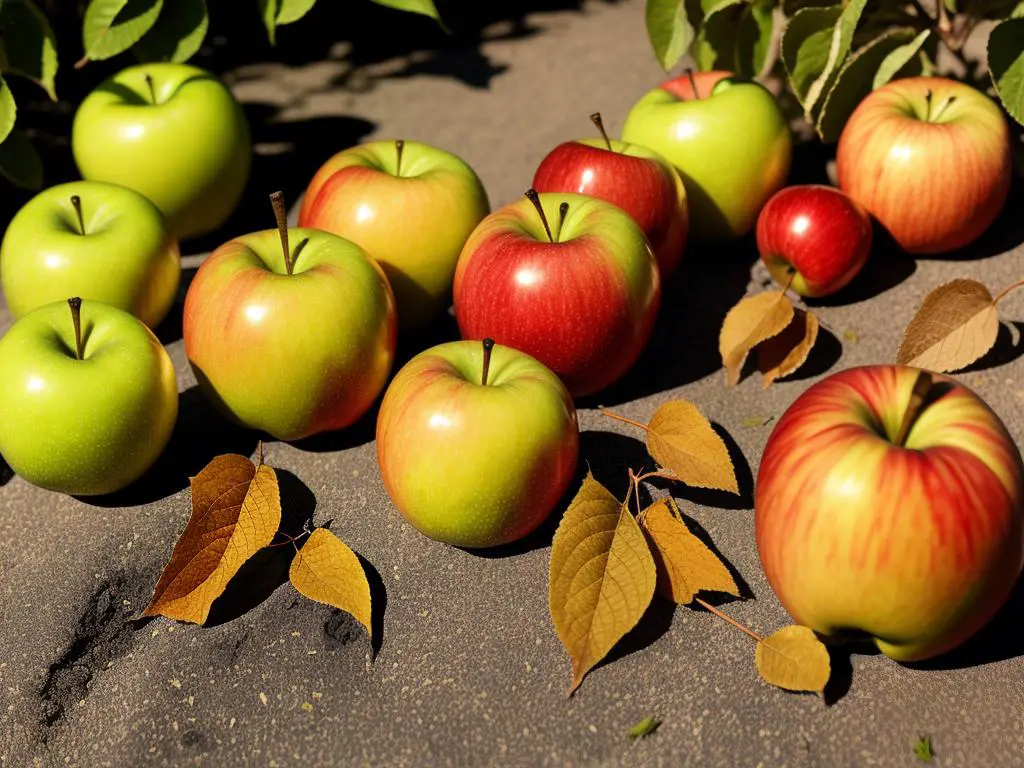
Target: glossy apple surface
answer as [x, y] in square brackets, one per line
[635, 178]
[915, 546]
[730, 144]
[815, 235]
[89, 426]
[583, 305]
[290, 354]
[473, 464]
[412, 216]
[125, 257]
[930, 159]
[185, 145]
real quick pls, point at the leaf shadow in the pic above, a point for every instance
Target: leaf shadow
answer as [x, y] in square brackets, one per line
[654, 624]
[6, 473]
[1008, 347]
[825, 353]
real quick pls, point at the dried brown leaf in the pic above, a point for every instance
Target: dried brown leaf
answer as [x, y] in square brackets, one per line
[685, 564]
[783, 354]
[753, 320]
[956, 325]
[327, 571]
[793, 658]
[602, 576]
[236, 510]
[681, 439]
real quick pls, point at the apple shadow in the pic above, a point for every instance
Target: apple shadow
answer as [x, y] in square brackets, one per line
[6, 473]
[362, 432]
[886, 268]
[826, 352]
[653, 625]
[170, 328]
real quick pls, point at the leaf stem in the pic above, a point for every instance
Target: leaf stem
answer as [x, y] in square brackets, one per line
[917, 398]
[152, 90]
[534, 198]
[596, 120]
[727, 618]
[288, 539]
[693, 83]
[76, 319]
[659, 474]
[76, 203]
[1008, 289]
[399, 147]
[488, 345]
[623, 419]
[277, 201]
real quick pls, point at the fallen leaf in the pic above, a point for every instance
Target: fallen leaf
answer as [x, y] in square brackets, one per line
[236, 510]
[602, 576]
[753, 320]
[757, 421]
[851, 336]
[645, 727]
[793, 658]
[784, 353]
[681, 439]
[923, 749]
[327, 571]
[956, 325]
[685, 564]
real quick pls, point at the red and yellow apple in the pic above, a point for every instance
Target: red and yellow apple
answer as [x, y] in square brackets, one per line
[915, 542]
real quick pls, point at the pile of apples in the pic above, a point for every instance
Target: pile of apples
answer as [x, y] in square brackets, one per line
[293, 331]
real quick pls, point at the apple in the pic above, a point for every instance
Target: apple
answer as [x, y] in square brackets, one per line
[476, 443]
[930, 159]
[88, 397]
[290, 341]
[411, 207]
[727, 138]
[174, 133]
[890, 505]
[102, 242]
[633, 177]
[581, 298]
[813, 237]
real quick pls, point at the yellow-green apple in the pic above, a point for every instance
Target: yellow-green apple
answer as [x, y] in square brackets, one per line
[102, 242]
[476, 443]
[581, 297]
[727, 138]
[890, 505]
[411, 206]
[292, 342]
[637, 179]
[88, 398]
[930, 159]
[814, 237]
[172, 132]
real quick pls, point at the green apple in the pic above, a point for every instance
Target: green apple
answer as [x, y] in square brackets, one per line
[727, 138]
[172, 132]
[411, 206]
[100, 241]
[86, 405]
[476, 443]
[292, 342]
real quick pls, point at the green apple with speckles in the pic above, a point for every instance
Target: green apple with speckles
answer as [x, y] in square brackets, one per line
[87, 411]
[476, 443]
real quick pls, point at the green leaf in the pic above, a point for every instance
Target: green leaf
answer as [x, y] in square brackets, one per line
[839, 49]
[754, 37]
[293, 10]
[29, 47]
[20, 163]
[715, 46]
[645, 727]
[805, 46]
[268, 12]
[1006, 64]
[424, 7]
[178, 33]
[854, 81]
[669, 30]
[923, 749]
[8, 109]
[113, 26]
[900, 58]
[791, 7]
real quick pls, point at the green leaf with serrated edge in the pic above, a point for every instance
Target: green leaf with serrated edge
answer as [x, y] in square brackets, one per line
[30, 49]
[178, 33]
[20, 163]
[113, 26]
[854, 82]
[293, 10]
[839, 49]
[899, 58]
[805, 46]
[424, 7]
[1006, 65]
[8, 110]
[715, 46]
[669, 30]
[268, 12]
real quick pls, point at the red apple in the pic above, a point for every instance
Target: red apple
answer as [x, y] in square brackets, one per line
[930, 159]
[580, 295]
[892, 517]
[637, 179]
[815, 236]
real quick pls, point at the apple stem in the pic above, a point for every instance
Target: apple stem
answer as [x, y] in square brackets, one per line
[488, 345]
[534, 198]
[277, 201]
[76, 319]
[727, 619]
[942, 109]
[596, 120]
[693, 82]
[917, 398]
[563, 211]
[1006, 290]
[623, 419]
[152, 90]
[399, 146]
[76, 203]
